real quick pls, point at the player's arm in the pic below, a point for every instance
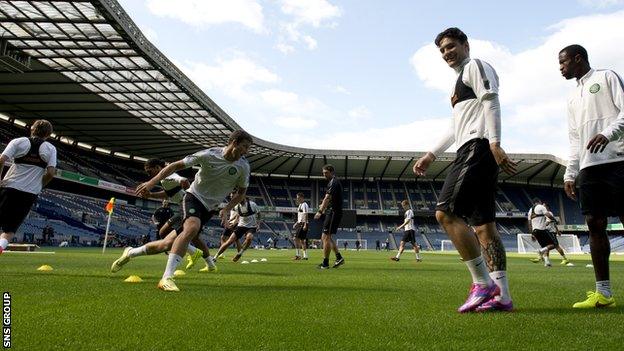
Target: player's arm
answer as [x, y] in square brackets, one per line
[422, 164]
[405, 222]
[3, 159]
[50, 170]
[161, 195]
[169, 169]
[323, 206]
[572, 168]
[239, 195]
[615, 129]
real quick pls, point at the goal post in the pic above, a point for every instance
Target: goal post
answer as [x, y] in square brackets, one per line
[569, 242]
[447, 245]
[351, 244]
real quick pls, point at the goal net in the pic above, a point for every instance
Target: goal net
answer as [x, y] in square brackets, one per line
[569, 242]
[351, 244]
[447, 245]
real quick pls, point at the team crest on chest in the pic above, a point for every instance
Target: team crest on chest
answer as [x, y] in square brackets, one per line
[232, 170]
[594, 88]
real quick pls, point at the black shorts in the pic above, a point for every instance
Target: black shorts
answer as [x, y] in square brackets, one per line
[14, 207]
[175, 222]
[469, 190]
[331, 222]
[553, 235]
[227, 232]
[409, 237]
[301, 233]
[601, 189]
[192, 207]
[242, 231]
[543, 237]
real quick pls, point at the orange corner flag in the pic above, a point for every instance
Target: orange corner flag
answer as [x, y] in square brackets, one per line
[110, 205]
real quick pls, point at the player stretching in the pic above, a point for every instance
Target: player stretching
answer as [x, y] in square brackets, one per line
[221, 170]
[410, 235]
[331, 207]
[34, 166]
[301, 227]
[229, 229]
[469, 190]
[248, 216]
[596, 161]
[174, 187]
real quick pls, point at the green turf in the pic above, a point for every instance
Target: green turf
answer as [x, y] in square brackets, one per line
[371, 303]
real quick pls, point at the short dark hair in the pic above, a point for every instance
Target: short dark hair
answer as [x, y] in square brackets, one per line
[41, 128]
[300, 194]
[329, 168]
[405, 202]
[153, 162]
[576, 49]
[239, 136]
[453, 33]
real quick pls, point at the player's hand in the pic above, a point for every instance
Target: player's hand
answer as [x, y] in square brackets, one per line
[185, 184]
[143, 189]
[503, 161]
[421, 165]
[570, 189]
[597, 144]
[317, 216]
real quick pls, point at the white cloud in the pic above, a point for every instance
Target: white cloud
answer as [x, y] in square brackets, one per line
[340, 89]
[600, 3]
[313, 12]
[359, 113]
[234, 76]
[296, 122]
[149, 33]
[302, 13]
[291, 104]
[396, 138]
[533, 94]
[202, 13]
[285, 48]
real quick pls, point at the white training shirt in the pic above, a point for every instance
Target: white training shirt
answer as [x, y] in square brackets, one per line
[216, 177]
[538, 222]
[468, 120]
[247, 221]
[595, 106]
[551, 224]
[409, 214]
[171, 182]
[302, 212]
[25, 177]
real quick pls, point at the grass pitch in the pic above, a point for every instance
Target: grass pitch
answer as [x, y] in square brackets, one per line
[371, 303]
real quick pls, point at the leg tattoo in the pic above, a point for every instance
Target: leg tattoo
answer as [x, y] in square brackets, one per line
[494, 253]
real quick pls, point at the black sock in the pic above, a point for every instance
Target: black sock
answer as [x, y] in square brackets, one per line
[326, 262]
[338, 256]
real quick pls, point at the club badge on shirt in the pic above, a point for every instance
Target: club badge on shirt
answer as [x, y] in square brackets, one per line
[232, 170]
[594, 88]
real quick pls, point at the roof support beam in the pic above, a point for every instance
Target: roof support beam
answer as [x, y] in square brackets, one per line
[385, 168]
[405, 168]
[546, 163]
[365, 167]
[292, 170]
[554, 174]
[442, 171]
[286, 159]
[311, 165]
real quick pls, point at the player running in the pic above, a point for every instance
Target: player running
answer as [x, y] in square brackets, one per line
[301, 228]
[248, 223]
[468, 196]
[229, 229]
[173, 190]
[409, 235]
[221, 170]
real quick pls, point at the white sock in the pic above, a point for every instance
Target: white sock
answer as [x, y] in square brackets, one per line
[4, 243]
[398, 255]
[546, 260]
[478, 270]
[305, 253]
[296, 252]
[172, 263]
[500, 279]
[418, 256]
[543, 250]
[137, 251]
[210, 261]
[604, 287]
[191, 250]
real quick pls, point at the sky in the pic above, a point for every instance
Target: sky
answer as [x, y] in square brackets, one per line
[365, 74]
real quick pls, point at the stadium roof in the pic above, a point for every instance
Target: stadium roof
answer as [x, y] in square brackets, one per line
[86, 67]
